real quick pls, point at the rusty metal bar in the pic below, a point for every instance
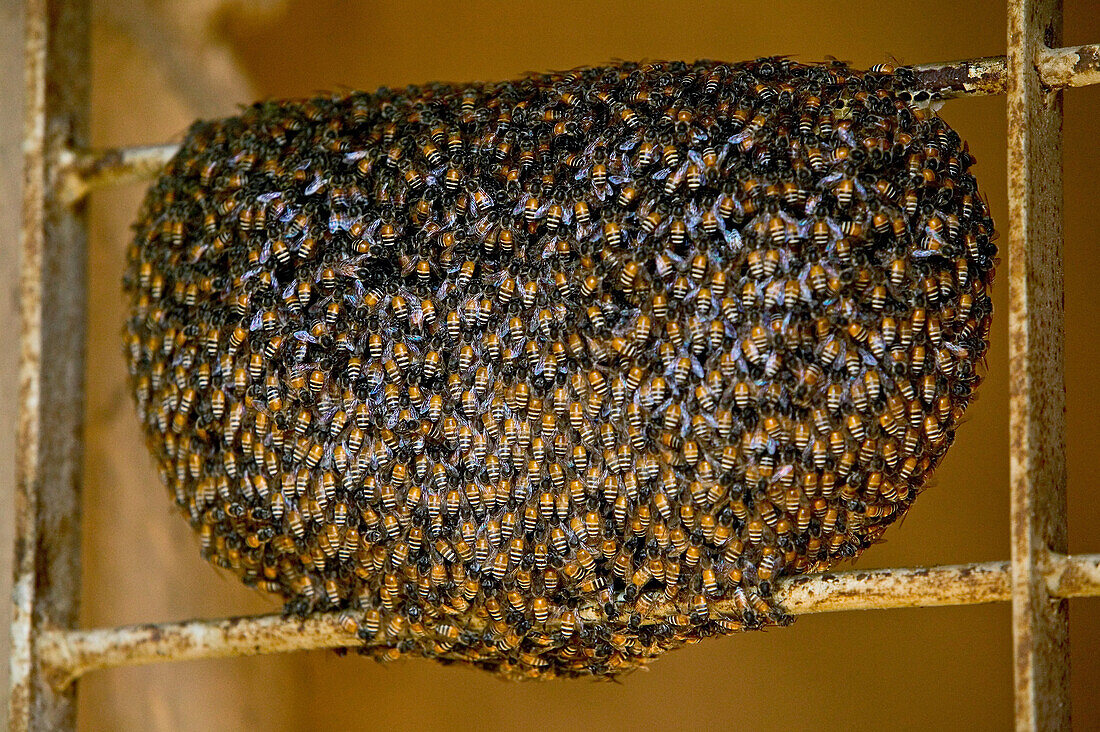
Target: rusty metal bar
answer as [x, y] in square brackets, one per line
[1075, 575]
[1073, 66]
[73, 653]
[46, 584]
[988, 76]
[976, 77]
[90, 170]
[1036, 365]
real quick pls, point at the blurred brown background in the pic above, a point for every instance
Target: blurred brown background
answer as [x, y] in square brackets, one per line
[941, 668]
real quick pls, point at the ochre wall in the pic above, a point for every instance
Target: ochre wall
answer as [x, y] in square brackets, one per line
[939, 668]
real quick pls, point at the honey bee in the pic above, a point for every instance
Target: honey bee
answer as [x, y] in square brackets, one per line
[482, 363]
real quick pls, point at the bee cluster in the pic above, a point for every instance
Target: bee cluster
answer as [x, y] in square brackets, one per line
[552, 375]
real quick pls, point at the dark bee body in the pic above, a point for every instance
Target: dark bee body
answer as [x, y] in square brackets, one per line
[496, 382]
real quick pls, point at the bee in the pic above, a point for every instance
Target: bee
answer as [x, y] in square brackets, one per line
[599, 175]
[613, 234]
[490, 388]
[581, 213]
[540, 608]
[645, 155]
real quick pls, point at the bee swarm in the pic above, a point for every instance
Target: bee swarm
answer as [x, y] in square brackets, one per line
[529, 375]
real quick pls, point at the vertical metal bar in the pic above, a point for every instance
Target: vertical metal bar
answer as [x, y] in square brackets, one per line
[51, 374]
[1037, 388]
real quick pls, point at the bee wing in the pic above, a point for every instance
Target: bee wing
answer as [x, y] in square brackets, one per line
[302, 368]
[257, 321]
[804, 289]
[315, 185]
[723, 152]
[488, 201]
[550, 248]
[733, 238]
[805, 227]
[781, 473]
[567, 213]
[632, 142]
[261, 408]
[738, 138]
[812, 202]
[371, 230]
[350, 267]
[662, 227]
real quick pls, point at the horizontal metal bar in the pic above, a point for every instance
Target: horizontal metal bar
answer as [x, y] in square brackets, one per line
[73, 653]
[976, 77]
[1073, 66]
[1077, 66]
[980, 77]
[92, 169]
[1075, 575]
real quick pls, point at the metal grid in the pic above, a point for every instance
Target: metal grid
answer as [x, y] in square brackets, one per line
[49, 653]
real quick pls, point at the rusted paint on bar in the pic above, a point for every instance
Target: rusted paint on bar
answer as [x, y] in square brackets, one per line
[1073, 576]
[1073, 66]
[70, 654]
[94, 169]
[1036, 383]
[881, 589]
[75, 653]
[51, 372]
[976, 77]
[980, 77]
